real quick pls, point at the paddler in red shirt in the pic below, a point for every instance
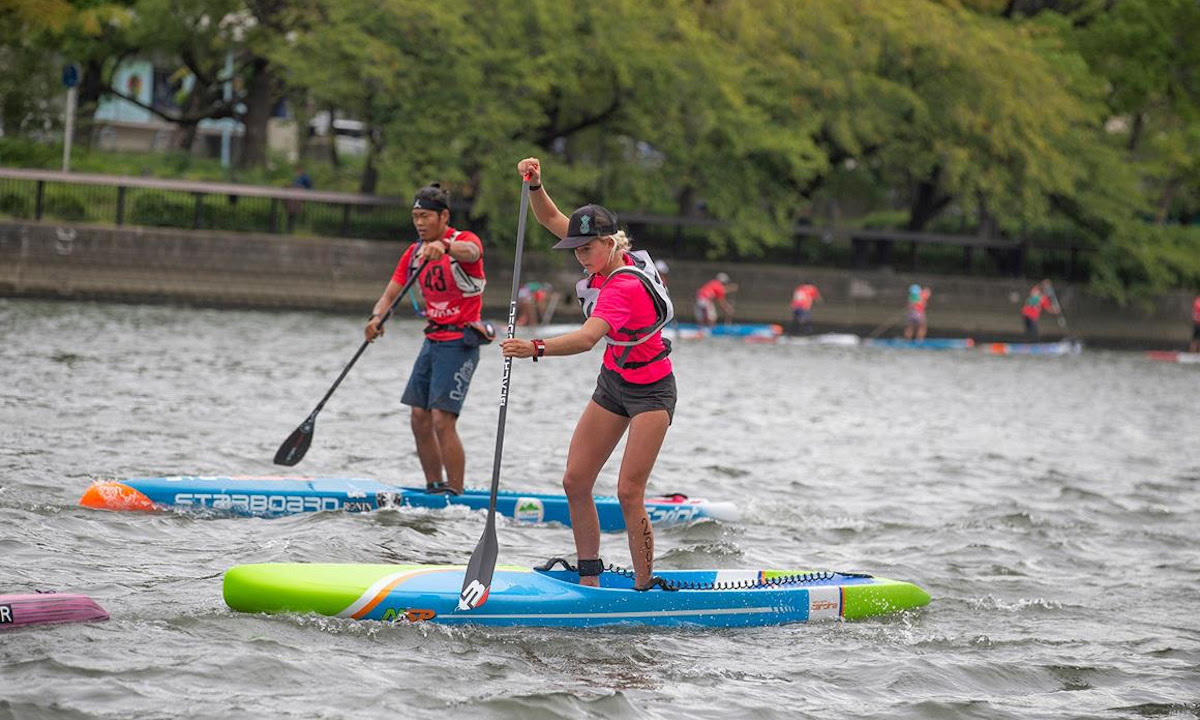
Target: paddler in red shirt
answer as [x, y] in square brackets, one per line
[452, 286]
[803, 298]
[711, 295]
[626, 305]
[1037, 301]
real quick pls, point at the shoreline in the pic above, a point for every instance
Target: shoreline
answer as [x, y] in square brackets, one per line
[255, 271]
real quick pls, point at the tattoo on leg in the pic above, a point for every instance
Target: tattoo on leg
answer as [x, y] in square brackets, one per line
[648, 541]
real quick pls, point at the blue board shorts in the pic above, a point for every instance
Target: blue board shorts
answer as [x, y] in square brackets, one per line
[441, 376]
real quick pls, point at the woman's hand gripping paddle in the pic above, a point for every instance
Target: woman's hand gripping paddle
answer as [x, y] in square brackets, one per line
[292, 450]
[477, 581]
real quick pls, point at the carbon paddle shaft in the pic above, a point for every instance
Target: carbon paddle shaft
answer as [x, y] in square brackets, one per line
[293, 449]
[477, 581]
[1062, 321]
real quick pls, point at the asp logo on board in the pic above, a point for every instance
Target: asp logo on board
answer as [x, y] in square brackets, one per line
[6, 616]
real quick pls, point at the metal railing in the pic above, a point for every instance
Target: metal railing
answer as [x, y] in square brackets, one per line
[83, 197]
[126, 200]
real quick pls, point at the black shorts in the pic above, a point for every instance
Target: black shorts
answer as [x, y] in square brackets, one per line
[1196, 331]
[621, 397]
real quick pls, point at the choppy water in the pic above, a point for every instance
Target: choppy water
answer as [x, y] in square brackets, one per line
[1049, 505]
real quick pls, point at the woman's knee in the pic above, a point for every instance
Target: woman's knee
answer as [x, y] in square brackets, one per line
[575, 484]
[631, 494]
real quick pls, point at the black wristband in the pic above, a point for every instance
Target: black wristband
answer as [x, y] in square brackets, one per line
[535, 188]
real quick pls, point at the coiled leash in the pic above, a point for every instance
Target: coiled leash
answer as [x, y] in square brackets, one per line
[673, 585]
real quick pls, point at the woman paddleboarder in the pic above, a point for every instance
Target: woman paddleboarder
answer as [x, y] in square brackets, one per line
[626, 304]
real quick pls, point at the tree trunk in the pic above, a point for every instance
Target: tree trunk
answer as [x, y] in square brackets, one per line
[1135, 132]
[301, 114]
[1165, 201]
[370, 175]
[91, 88]
[333, 152]
[259, 98]
[926, 203]
[185, 136]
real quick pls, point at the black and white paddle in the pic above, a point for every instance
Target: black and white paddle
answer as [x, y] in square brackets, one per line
[477, 580]
[292, 450]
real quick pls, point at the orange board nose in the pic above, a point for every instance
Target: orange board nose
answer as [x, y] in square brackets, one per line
[111, 495]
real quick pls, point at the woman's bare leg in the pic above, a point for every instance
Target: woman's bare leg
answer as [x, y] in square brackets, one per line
[596, 434]
[646, 433]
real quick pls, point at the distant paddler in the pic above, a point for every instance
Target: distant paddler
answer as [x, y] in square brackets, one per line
[626, 305]
[710, 296]
[803, 298]
[915, 323]
[1039, 299]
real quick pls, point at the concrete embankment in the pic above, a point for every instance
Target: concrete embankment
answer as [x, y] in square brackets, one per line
[138, 264]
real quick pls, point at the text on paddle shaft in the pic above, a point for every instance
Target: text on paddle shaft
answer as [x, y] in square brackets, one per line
[6, 614]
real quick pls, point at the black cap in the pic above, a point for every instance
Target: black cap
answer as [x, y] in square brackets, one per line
[588, 223]
[432, 197]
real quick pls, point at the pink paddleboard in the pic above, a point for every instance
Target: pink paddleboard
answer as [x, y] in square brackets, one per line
[41, 608]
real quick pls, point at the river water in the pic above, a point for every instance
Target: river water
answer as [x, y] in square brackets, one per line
[1049, 505]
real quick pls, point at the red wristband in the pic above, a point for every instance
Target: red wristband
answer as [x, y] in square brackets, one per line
[539, 347]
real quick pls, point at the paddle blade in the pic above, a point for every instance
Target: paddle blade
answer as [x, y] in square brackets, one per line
[478, 579]
[292, 450]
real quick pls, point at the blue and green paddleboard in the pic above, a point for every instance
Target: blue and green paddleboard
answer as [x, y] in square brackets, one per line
[553, 597]
[274, 496]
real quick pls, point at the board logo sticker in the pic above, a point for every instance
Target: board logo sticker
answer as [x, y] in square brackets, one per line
[409, 614]
[824, 603]
[529, 510]
[388, 500]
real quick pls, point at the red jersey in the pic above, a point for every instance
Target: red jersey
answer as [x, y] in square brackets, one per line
[804, 296]
[712, 290]
[1035, 304]
[1196, 310]
[453, 290]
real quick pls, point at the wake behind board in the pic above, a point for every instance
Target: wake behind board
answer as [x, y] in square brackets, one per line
[540, 597]
[274, 496]
[45, 608]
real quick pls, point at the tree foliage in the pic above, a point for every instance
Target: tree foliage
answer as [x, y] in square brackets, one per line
[1015, 117]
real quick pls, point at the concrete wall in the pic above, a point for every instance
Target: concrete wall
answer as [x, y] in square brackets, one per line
[271, 271]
